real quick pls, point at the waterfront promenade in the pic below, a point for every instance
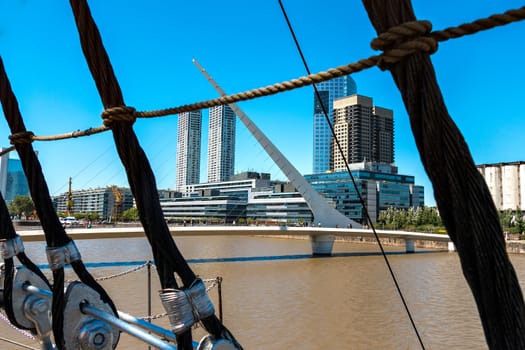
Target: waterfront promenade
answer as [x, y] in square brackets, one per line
[217, 230]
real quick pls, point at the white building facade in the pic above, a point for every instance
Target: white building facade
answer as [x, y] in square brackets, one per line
[506, 183]
[221, 144]
[189, 131]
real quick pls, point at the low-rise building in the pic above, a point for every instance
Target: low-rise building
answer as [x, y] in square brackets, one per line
[108, 202]
[379, 185]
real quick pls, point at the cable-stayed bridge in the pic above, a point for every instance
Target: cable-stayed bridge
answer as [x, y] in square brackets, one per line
[216, 230]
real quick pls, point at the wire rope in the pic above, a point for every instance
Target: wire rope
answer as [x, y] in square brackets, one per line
[363, 204]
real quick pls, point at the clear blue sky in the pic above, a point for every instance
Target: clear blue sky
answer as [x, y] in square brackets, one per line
[243, 45]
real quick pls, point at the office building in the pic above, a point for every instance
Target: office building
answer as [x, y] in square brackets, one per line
[13, 181]
[189, 130]
[506, 183]
[278, 207]
[208, 209]
[380, 187]
[248, 196]
[221, 144]
[365, 132]
[108, 202]
[239, 186]
[322, 142]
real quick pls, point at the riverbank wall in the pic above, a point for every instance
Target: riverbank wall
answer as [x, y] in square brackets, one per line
[513, 246]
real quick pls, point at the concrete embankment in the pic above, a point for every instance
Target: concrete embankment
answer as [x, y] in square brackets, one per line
[513, 246]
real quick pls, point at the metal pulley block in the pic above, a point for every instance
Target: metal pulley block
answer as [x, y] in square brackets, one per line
[26, 303]
[210, 343]
[82, 331]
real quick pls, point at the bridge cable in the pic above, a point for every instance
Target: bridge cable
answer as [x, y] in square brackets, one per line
[363, 204]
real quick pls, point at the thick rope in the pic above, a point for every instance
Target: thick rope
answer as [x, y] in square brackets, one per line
[168, 258]
[7, 232]
[462, 196]
[444, 35]
[427, 43]
[54, 232]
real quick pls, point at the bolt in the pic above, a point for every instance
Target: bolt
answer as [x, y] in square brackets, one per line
[39, 306]
[99, 339]
[95, 335]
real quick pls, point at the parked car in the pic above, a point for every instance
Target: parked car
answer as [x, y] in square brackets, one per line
[69, 221]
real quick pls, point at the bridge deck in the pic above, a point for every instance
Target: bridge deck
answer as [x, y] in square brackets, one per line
[123, 232]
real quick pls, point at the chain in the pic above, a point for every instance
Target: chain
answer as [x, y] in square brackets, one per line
[21, 331]
[140, 267]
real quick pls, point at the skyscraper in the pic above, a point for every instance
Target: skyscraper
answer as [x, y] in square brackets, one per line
[328, 91]
[365, 132]
[13, 181]
[221, 144]
[189, 129]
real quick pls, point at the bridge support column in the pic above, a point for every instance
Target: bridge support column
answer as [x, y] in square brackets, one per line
[322, 244]
[410, 246]
[451, 247]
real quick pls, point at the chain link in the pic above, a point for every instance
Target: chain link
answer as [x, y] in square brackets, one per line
[21, 331]
[140, 267]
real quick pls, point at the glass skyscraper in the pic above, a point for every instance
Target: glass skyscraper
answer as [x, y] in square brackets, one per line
[13, 181]
[379, 187]
[328, 91]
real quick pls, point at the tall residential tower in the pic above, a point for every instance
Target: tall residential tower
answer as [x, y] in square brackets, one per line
[365, 132]
[189, 131]
[221, 144]
[328, 91]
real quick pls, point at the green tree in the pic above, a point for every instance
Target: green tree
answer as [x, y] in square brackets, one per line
[132, 214]
[505, 218]
[22, 206]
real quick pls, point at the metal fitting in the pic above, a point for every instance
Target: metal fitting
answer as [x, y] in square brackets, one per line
[38, 310]
[95, 335]
[31, 310]
[82, 331]
[11, 247]
[186, 307]
[58, 257]
[210, 343]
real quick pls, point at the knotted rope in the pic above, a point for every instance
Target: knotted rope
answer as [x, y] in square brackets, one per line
[402, 41]
[119, 114]
[393, 54]
[462, 196]
[24, 137]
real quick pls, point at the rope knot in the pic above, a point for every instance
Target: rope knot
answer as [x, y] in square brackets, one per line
[404, 40]
[23, 137]
[119, 114]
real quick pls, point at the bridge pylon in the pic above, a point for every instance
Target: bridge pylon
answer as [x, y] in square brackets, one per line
[323, 213]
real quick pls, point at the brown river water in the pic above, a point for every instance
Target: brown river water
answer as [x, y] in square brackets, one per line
[289, 301]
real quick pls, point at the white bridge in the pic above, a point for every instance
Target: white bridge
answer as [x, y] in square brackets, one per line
[322, 238]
